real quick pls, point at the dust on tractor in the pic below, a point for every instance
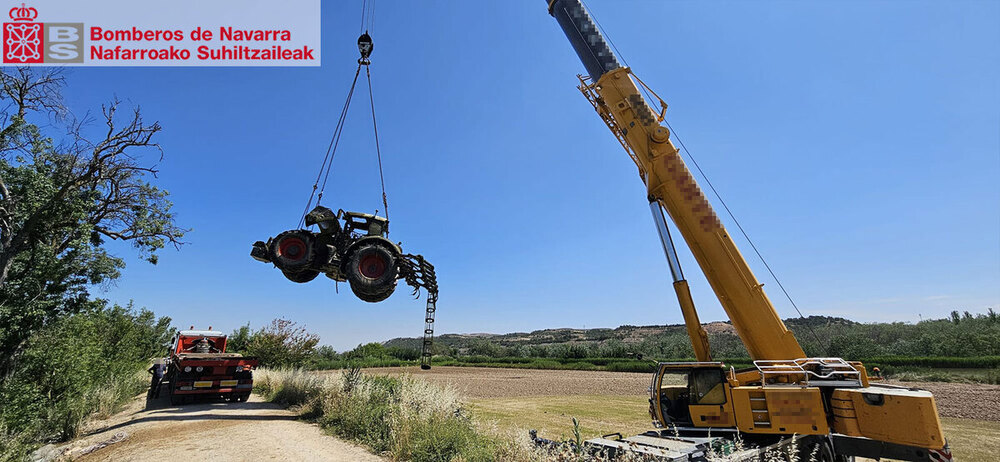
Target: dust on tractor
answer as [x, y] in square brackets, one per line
[349, 247]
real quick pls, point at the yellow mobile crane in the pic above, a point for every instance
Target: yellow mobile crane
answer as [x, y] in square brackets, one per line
[827, 400]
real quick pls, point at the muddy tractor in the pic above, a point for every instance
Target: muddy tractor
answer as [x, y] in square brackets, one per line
[348, 247]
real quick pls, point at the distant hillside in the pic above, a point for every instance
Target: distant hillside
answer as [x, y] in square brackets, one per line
[625, 339]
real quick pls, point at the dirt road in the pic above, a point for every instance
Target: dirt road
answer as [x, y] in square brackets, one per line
[249, 431]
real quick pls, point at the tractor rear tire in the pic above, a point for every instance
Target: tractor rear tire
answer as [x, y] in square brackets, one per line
[372, 270]
[293, 250]
[300, 276]
[374, 297]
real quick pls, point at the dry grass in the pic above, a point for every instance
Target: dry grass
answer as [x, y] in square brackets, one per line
[972, 440]
[552, 415]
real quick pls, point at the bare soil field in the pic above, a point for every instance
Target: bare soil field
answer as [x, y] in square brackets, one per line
[485, 382]
[249, 431]
[960, 400]
[963, 400]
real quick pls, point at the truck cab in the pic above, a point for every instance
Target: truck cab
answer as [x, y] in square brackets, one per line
[198, 341]
[199, 365]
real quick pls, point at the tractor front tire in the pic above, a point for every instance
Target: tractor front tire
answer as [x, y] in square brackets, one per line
[372, 270]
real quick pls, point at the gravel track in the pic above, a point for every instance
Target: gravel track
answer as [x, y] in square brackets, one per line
[250, 431]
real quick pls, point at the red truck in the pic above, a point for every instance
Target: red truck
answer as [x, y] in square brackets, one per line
[200, 366]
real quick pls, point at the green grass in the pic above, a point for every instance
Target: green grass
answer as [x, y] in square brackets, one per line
[926, 374]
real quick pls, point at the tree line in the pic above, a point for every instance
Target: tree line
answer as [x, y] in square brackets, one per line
[962, 334]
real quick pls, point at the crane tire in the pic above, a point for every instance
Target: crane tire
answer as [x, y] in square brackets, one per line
[300, 276]
[821, 451]
[372, 268]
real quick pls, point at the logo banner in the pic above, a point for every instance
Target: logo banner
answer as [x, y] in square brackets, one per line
[174, 33]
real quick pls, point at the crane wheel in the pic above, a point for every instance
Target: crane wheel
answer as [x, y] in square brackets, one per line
[371, 269]
[822, 451]
[292, 250]
[300, 276]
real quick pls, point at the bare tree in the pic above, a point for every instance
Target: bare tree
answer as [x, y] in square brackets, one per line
[60, 200]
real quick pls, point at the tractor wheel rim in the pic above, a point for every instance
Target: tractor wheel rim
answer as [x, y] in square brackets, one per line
[292, 248]
[372, 266]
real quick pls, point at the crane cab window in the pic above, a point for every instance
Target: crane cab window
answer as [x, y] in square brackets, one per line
[673, 397]
[706, 386]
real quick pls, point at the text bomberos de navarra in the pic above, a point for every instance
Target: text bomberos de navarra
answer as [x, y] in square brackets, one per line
[201, 52]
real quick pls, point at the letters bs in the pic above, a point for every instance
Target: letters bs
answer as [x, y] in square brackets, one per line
[64, 42]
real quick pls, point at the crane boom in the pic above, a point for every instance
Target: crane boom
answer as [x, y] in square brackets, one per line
[613, 91]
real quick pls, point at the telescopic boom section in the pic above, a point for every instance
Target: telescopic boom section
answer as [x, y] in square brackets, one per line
[614, 94]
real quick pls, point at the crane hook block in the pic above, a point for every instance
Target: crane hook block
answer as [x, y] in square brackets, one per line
[365, 46]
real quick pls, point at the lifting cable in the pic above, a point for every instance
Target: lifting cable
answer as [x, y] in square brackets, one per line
[709, 182]
[378, 151]
[331, 150]
[365, 47]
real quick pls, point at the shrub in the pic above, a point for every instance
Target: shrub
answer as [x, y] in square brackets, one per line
[282, 344]
[79, 366]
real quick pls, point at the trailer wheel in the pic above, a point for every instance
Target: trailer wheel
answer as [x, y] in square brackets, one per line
[371, 268]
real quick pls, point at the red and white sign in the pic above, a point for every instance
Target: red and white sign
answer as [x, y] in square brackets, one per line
[174, 33]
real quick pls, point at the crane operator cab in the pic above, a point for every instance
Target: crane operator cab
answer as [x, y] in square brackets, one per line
[690, 395]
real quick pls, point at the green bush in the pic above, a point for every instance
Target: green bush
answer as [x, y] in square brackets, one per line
[992, 376]
[281, 344]
[438, 439]
[83, 364]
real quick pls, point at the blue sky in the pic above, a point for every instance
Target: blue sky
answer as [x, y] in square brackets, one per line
[857, 142]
